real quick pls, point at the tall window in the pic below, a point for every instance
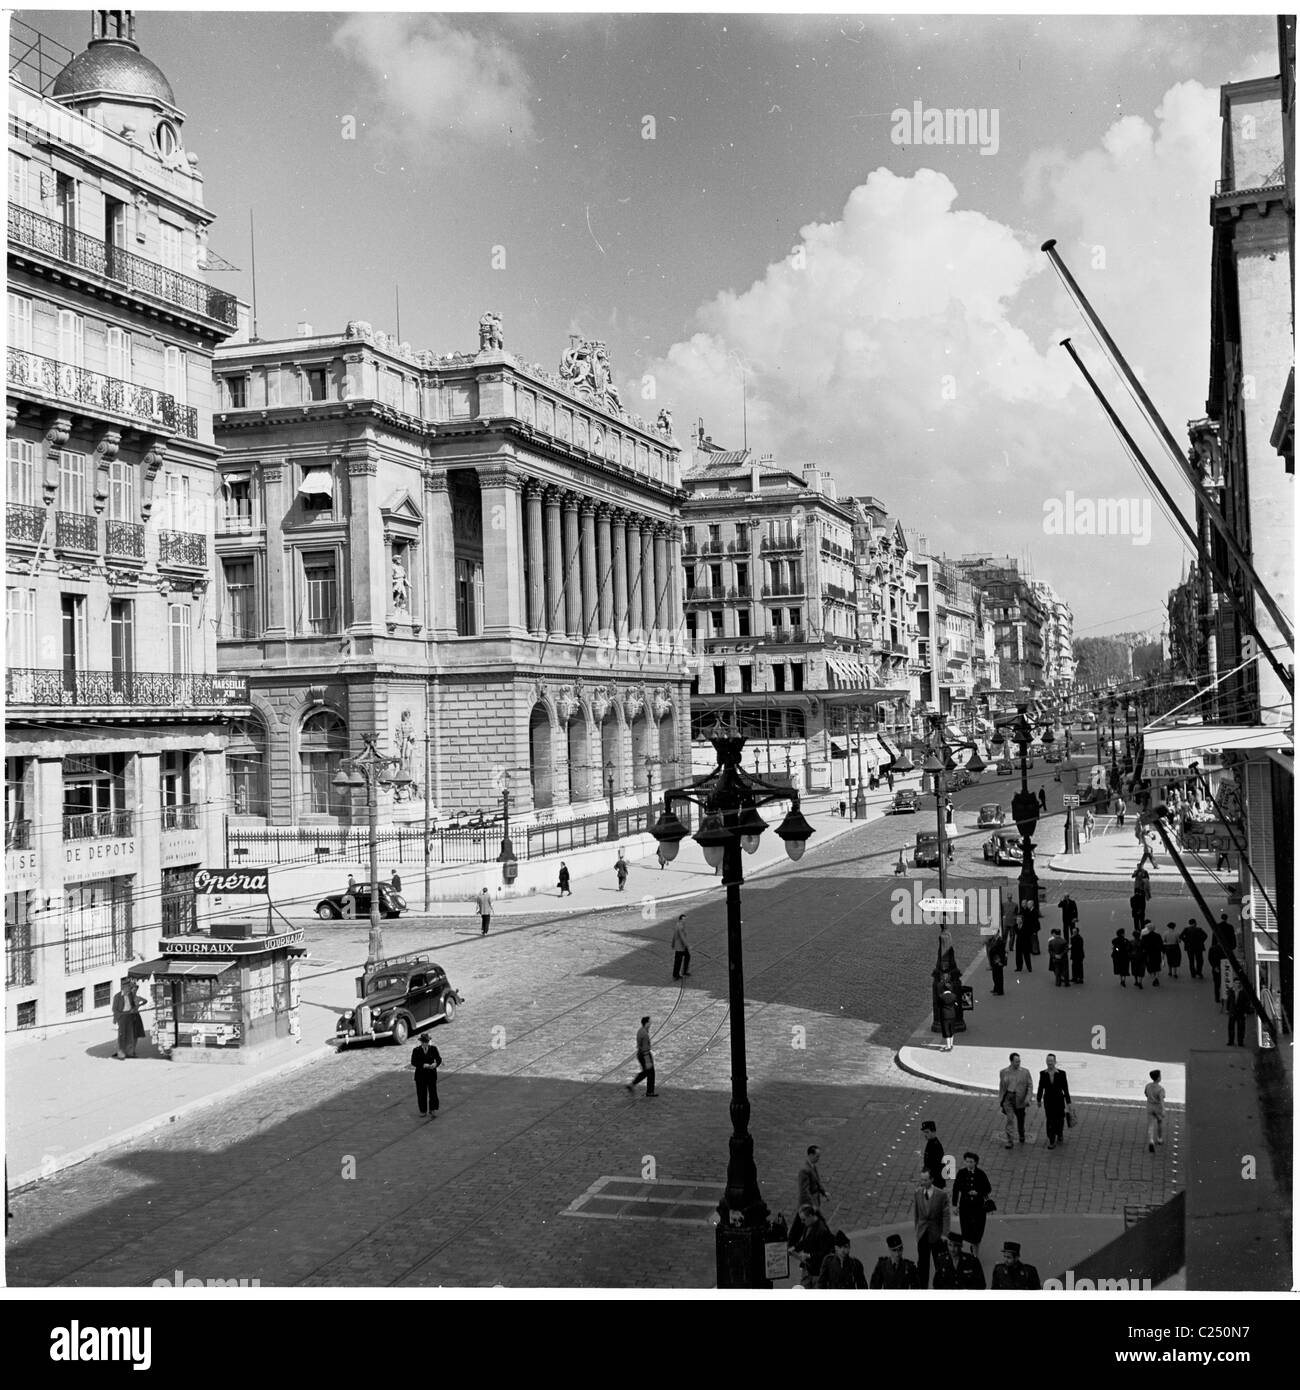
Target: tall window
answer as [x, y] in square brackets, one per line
[179, 629]
[17, 827]
[72, 338]
[320, 583]
[20, 322]
[172, 252]
[174, 773]
[239, 616]
[237, 501]
[742, 622]
[22, 472]
[19, 179]
[469, 598]
[20, 627]
[176, 513]
[246, 768]
[121, 621]
[121, 490]
[323, 743]
[97, 924]
[72, 482]
[176, 374]
[119, 354]
[314, 383]
[236, 391]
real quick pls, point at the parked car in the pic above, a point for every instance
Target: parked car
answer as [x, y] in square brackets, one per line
[958, 779]
[1003, 847]
[399, 996]
[992, 814]
[927, 849]
[1005, 767]
[357, 904]
[1053, 755]
[905, 800]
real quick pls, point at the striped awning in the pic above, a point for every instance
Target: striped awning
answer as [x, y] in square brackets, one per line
[852, 672]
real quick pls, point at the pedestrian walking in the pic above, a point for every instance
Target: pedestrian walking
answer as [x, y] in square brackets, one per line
[947, 1015]
[1024, 944]
[811, 1188]
[1227, 933]
[1121, 809]
[996, 951]
[1089, 820]
[1173, 951]
[1137, 906]
[645, 1060]
[1076, 957]
[1014, 1088]
[1042, 798]
[844, 809]
[1137, 956]
[815, 1244]
[932, 1158]
[958, 1270]
[1053, 1100]
[395, 883]
[1216, 958]
[889, 778]
[425, 1060]
[893, 1270]
[1142, 881]
[661, 857]
[126, 1019]
[1011, 1273]
[1069, 916]
[1238, 1005]
[1153, 948]
[1119, 956]
[947, 811]
[1058, 958]
[352, 887]
[681, 951]
[562, 880]
[930, 1211]
[1155, 1094]
[484, 908]
[620, 870]
[1193, 938]
[839, 1269]
[972, 1195]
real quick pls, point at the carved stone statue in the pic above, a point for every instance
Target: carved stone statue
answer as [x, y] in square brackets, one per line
[401, 585]
[490, 334]
[359, 328]
[665, 421]
[405, 741]
[586, 367]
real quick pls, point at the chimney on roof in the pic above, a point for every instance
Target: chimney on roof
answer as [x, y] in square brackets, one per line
[304, 329]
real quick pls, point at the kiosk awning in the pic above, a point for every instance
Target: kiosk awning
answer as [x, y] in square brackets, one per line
[209, 968]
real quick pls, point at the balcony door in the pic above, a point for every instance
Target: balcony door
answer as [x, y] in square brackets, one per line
[74, 640]
[114, 238]
[66, 203]
[122, 624]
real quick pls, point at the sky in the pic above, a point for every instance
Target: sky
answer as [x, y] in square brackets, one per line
[736, 203]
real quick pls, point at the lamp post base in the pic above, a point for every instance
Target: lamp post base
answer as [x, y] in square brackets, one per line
[742, 1257]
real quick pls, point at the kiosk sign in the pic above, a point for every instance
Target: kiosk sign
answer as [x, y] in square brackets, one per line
[255, 882]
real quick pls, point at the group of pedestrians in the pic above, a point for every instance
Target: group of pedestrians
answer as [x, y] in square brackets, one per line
[1016, 1089]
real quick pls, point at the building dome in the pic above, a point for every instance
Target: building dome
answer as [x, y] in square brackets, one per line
[116, 66]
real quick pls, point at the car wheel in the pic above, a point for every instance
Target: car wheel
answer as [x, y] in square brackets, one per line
[327, 913]
[448, 1008]
[400, 1031]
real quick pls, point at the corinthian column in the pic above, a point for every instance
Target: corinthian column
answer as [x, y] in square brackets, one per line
[572, 576]
[554, 566]
[647, 579]
[536, 562]
[589, 576]
[618, 559]
[662, 583]
[604, 579]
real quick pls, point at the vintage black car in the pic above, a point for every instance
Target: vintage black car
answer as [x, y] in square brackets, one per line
[357, 904]
[398, 996]
[991, 814]
[959, 779]
[904, 800]
[1003, 847]
[926, 853]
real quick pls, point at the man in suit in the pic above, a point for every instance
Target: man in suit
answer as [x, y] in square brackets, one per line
[1053, 1100]
[811, 1188]
[646, 1058]
[1011, 1274]
[426, 1060]
[126, 1017]
[1014, 1087]
[932, 1161]
[930, 1218]
[892, 1271]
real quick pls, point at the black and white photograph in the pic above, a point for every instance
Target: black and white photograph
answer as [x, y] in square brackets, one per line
[651, 655]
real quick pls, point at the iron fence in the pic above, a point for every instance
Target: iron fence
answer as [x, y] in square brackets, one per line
[154, 689]
[98, 825]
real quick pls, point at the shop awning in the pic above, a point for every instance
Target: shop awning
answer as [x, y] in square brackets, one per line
[837, 751]
[852, 673]
[1205, 738]
[317, 480]
[890, 747]
[174, 967]
[234, 478]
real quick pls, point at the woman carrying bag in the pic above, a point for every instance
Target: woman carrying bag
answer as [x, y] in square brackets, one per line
[972, 1196]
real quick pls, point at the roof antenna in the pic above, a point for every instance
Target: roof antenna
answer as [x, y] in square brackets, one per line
[397, 300]
[252, 242]
[744, 408]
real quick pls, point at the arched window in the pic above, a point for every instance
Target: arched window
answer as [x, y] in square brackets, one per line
[321, 746]
[246, 769]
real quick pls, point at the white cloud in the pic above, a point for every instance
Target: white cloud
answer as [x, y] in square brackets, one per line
[439, 81]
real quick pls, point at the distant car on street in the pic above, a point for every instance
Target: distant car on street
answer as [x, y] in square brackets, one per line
[905, 800]
[340, 905]
[959, 779]
[926, 853]
[1053, 755]
[991, 814]
[1006, 767]
[1003, 847]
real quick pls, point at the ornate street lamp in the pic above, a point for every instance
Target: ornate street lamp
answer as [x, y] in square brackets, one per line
[371, 769]
[1024, 807]
[611, 830]
[729, 799]
[509, 864]
[860, 800]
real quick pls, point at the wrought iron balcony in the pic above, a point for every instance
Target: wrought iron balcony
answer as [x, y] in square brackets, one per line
[53, 239]
[124, 540]
[782, 543]
[187, 549]
[119, 689]
[83, 387]
[183, 817]
[76, 531]
[18, 834]
[98, 825]
[24, 525]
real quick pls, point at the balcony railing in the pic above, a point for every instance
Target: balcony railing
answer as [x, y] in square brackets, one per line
[233, 521]
[188, 549]
[797, 634]
[24, 524]
[83, 387]
[740, 591]
[124, 540]
[740, 546]
[782, 543]
[75, 531]
[148, 689]
[18, 834]
[710, 547]
[184, 817]
[776, 590]
[99, 825]
[52, 238]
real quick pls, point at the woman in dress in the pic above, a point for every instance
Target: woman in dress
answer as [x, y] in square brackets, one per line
[1119, 957]
[970, 1194]
[1137, 957]
[1173, 951]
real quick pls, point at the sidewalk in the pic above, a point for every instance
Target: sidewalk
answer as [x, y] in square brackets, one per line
[1115, 854]
[68, 1100]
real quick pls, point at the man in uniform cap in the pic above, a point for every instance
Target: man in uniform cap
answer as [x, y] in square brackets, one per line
[840, 1270]
[892, 1271]
[1011, 1274]
[955, 1269]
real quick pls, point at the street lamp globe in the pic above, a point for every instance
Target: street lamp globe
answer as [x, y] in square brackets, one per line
[713, 838]
[750, 830]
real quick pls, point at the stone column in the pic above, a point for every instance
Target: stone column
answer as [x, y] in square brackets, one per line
[274, 506]
[604, 576]
[536, 563]
[365, 577]
[590, 579]
[676, 607]
[503, 592]
[663, 583]
[634, 573]
[647, 579]
[618, 560]
[554, 565]
[441, 615]
[572, 577]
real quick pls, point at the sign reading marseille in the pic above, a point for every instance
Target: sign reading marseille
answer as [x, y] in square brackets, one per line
[243, 881]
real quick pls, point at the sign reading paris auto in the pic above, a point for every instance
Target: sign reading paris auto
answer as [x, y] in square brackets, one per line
[242, 881]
